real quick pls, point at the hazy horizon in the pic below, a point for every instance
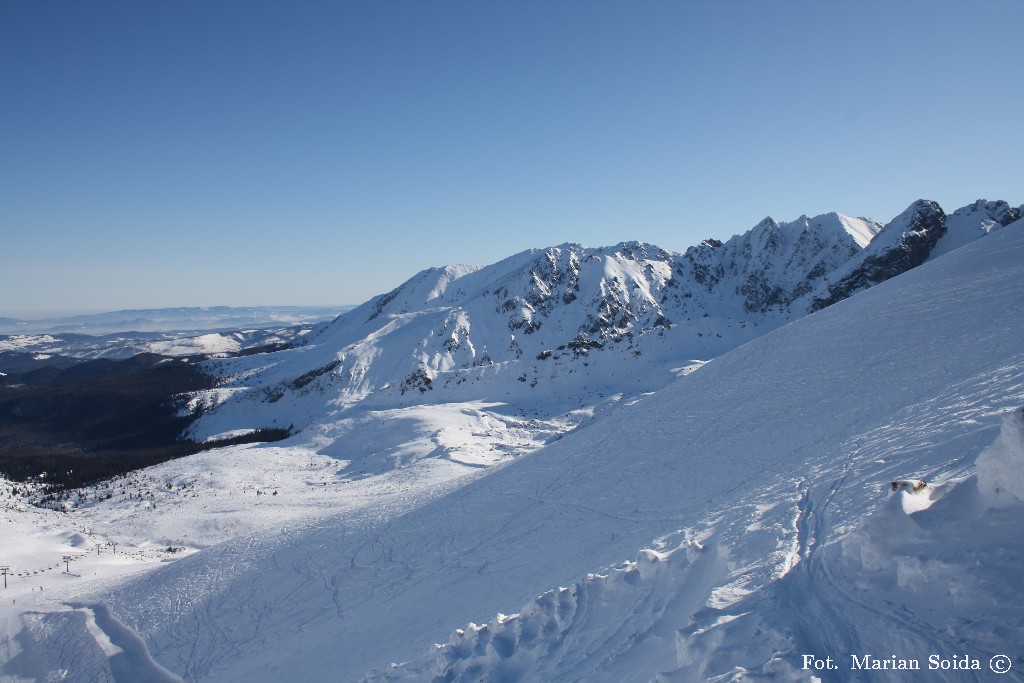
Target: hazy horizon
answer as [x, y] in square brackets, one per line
[45, 314]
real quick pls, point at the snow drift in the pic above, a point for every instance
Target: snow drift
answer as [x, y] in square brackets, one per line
[1001, 465]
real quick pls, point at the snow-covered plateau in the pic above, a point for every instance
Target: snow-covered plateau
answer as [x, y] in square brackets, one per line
[797, 455]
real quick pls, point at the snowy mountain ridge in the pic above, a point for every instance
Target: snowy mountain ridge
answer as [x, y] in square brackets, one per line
[566, 329]
[553, 336]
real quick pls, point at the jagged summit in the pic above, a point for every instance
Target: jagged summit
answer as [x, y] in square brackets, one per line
[921, 233]
[862, 230]
[766, 223]
[904, 243]
[973, 221]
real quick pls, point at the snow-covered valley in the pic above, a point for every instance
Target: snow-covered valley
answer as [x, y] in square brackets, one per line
[560, 488]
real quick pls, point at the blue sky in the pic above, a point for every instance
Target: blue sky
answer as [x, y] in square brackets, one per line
[253, 152]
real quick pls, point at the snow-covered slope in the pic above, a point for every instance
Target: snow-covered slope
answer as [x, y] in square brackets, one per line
[928, 582]
[730, 491]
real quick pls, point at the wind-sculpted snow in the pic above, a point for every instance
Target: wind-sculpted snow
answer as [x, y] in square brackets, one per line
[777, 451]
[591, 629]
[617, 625]
[929, 582]
[1001, 465]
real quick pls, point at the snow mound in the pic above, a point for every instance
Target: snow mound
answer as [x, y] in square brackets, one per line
[1001, 465]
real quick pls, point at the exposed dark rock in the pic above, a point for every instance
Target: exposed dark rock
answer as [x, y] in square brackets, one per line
[922, 225]
[312, 375]
[418, 380]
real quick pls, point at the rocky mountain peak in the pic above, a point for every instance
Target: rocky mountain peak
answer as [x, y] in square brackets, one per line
[904, 243]
[998, 211]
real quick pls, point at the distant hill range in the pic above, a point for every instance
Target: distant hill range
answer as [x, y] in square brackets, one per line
[213, 318]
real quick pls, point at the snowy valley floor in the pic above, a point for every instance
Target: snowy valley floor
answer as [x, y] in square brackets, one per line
[248, 494]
